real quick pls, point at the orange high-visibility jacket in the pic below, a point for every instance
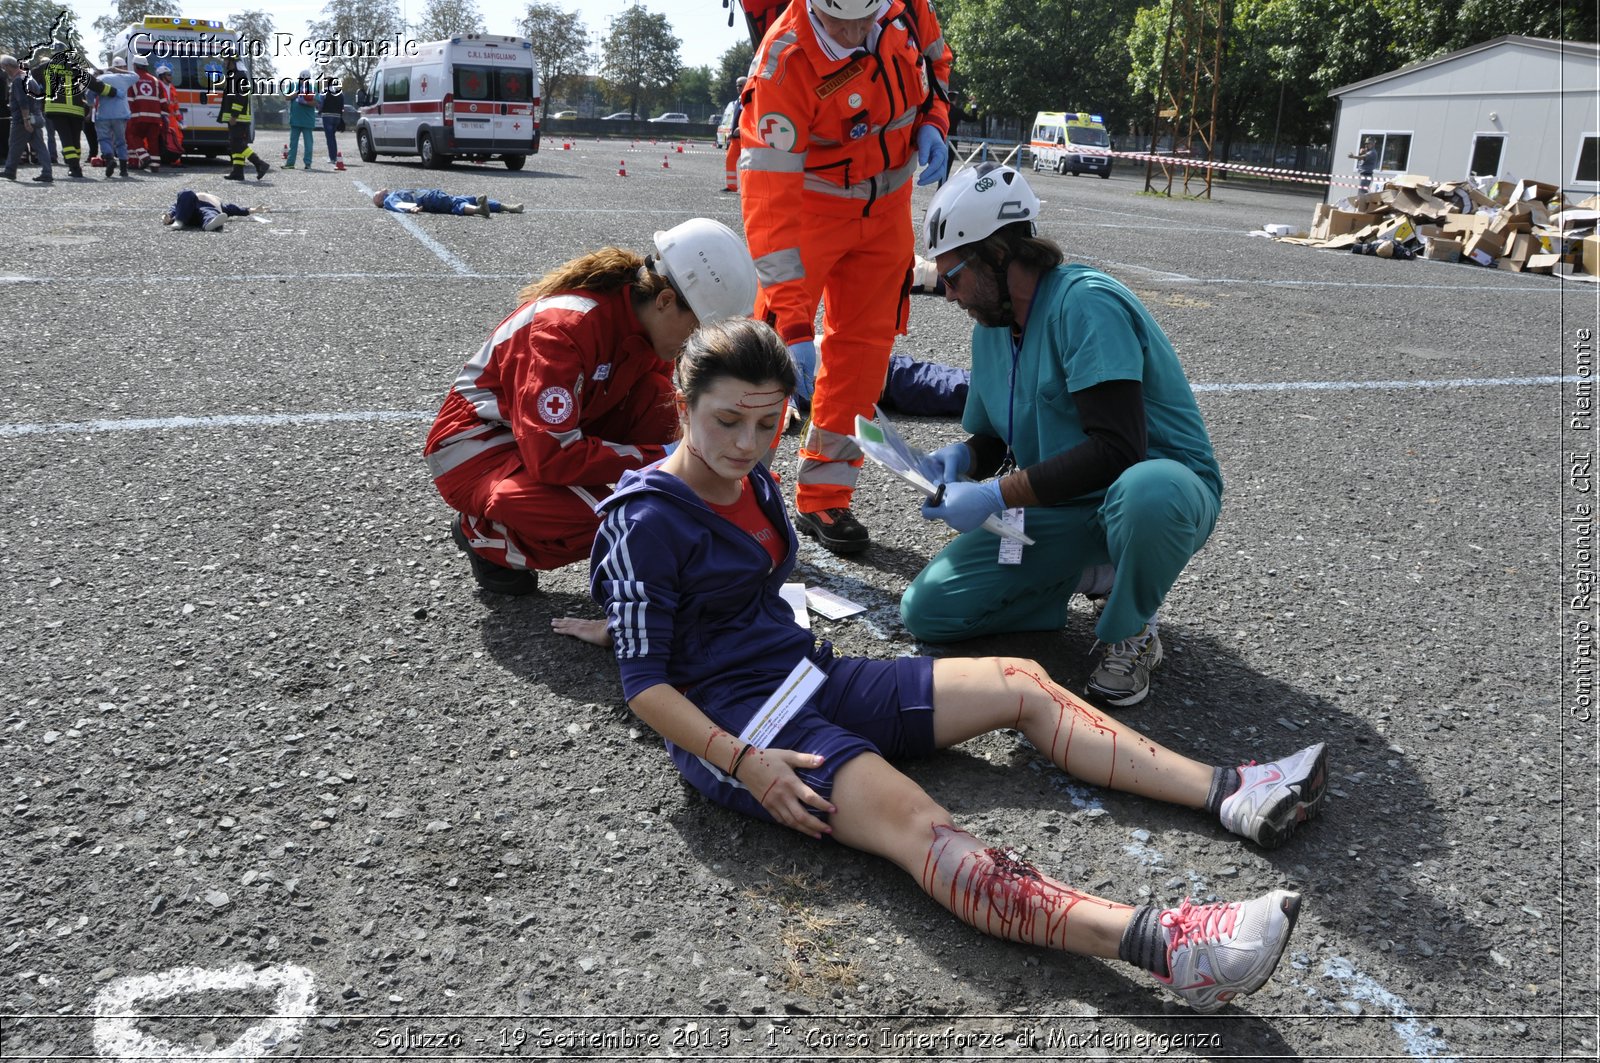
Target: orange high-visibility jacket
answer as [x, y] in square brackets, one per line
[833, 139]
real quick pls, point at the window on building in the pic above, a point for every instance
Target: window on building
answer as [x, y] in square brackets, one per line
[1589, 159]
[1487, 149]
[1394, 148]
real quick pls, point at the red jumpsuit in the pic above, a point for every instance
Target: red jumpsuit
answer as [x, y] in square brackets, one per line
[829, 155]
[563, 398]
[147, 104]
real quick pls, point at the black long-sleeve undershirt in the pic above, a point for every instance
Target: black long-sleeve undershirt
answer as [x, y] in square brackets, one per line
[1113, 418]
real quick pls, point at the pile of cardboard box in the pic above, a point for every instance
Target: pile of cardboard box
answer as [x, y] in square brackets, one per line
[1521, 227]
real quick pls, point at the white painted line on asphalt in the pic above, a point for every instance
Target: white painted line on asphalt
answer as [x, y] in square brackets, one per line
[116, 1032]
[1393, 385]
[1536, 288]
[427, 241]
[819, 558]
[1419, 1042]
[240, 420]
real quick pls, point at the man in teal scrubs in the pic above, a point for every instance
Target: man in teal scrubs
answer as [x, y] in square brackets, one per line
[1082, 424]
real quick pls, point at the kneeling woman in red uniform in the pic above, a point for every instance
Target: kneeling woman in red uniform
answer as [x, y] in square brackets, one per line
[688, 565]
[573, 390]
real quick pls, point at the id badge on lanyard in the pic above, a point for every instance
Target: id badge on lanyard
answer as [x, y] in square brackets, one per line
[1011, 549]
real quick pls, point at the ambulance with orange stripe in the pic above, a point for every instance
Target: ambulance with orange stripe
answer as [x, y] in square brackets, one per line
[470, 97]
[1070, 142]
[194, 48]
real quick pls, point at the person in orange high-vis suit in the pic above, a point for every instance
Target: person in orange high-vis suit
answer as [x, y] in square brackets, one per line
[731, 178]
[846, 99]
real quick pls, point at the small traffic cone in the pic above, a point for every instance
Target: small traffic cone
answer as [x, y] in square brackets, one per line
[286, 153]
[665, 165]
[338, 161]
[622, 167]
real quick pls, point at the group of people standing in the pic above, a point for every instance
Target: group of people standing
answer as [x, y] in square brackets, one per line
[131, 117]
[126, 116]
[626, 412]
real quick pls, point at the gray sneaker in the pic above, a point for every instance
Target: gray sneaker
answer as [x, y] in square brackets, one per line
[1276, 797]
[1216, 952]
[1123, 675]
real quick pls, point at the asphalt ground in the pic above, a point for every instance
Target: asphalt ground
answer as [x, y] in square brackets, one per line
[269, 752]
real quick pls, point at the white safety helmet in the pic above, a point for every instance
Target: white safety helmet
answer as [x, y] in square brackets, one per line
[709, 266]
[163, 69]
[973, 204]
[141, 60]
[847, 9]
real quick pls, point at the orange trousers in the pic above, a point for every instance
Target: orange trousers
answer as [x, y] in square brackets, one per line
[860, 269]
[730, 181]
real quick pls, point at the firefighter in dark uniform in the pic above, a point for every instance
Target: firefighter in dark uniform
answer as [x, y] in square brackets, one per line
[235, 114]
[64, 81]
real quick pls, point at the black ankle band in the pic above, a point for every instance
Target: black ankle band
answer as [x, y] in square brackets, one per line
[1224, 781]
[1142, 943]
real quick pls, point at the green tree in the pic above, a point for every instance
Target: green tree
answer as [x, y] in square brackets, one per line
[639, 56]
[692, 92]
[560, 43]
[255, 34]
[734, 64]
[124, 13]
[442, 19]
[366, 22]
[1015, 57]
[25, 24]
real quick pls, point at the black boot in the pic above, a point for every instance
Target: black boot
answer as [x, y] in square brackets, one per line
[124, 164]
[111, 168]
[74, 170]
[262, 166]
[235, 174]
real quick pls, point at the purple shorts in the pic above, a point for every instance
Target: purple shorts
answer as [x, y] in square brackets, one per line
[864, 706]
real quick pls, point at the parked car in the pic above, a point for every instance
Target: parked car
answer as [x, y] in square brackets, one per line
[621, 116]
[671, 116]
[565, 114]
[725, 124]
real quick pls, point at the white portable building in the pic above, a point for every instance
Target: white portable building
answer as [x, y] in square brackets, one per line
[1514, 108]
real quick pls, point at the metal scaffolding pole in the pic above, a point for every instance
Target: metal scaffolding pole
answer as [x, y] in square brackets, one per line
[1186, 93]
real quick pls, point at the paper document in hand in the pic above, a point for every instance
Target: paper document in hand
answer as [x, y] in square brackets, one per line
[880, 441]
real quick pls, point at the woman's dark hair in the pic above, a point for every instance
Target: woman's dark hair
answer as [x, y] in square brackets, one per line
[738, 347]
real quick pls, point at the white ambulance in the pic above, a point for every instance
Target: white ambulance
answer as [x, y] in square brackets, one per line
[194, 48]
[470, 97]
[1070, 142]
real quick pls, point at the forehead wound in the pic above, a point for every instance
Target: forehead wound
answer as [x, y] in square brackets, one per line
[755, 400]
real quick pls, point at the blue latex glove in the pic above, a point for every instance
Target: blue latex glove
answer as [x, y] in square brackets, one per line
[670, 447]
[931, 155]
[804, 354]
[950, 463]
[966, 504]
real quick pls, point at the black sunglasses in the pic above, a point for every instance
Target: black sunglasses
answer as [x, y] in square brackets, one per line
[949, 275]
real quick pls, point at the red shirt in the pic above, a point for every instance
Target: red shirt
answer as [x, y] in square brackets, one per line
[746, 515]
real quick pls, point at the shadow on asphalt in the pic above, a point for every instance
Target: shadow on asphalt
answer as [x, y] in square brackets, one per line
[1354, 864]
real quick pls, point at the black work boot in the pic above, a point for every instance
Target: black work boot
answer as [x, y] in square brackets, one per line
[837, 530]
[262, 166]
[123, 163]
[497, 579]
[235, 174]
[111, 168]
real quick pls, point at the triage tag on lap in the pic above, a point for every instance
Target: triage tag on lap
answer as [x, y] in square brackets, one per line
[831, 605]
[791, 695]
[1011, 549]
